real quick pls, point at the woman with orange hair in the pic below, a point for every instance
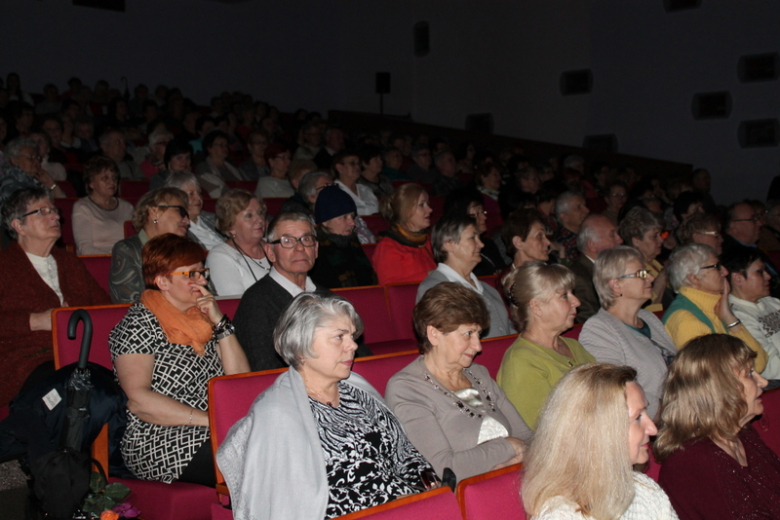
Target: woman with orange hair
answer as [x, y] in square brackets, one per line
[165, 350]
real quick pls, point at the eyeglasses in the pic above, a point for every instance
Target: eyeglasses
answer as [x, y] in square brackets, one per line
[31, 157]
[289, 242]
[182, 210]
[44, 211]
[194, 273]
[476, 214]
[710, 233]
[642, 273]
[754, 218]
[713, 266]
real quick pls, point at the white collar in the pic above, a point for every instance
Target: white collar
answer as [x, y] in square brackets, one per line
[453, 276]
[290, 287]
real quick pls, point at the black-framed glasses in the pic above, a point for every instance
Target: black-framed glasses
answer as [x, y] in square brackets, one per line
[713, 266]
[44, 211]
[754, 218]
[476, 214]
[182, 210]
[288, 242]
[194, 273]
[642, 274]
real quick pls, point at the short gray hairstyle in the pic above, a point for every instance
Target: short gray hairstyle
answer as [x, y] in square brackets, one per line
[448, 229]
[14, 148]
[287, 216]
[294, 332]
[687, 260]
[160, 132]
[16, 205]
[564, 202]
[637, 222]
[307, 186]
[588, 230]
[179, 179]
[611, 264]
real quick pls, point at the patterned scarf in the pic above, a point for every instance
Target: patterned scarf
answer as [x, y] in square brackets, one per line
[185, 328]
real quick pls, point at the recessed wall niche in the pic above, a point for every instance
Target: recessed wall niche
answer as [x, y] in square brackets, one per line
[711, 105]
[759, 133]
[575, 82]
[759, 67]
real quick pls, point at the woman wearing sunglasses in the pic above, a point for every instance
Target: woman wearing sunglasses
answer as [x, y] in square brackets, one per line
[621, 332]
[702, 303]
[158, 212]
[165, 350]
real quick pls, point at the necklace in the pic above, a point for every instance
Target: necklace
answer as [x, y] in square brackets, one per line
[258, 263]
[321, 398]
[463, 407]
[555, 348]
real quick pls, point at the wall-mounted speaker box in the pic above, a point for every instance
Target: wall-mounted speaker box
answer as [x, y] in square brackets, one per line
[422, 39]
[111, 5]
[480, 123]
[759, 67]
[382, 82]
[602, 143]
[759, 133]
[576, 82]
[711, 105]
[672, 6]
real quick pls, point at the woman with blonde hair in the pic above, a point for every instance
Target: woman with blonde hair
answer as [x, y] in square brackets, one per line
[589, 474]
[714, 464]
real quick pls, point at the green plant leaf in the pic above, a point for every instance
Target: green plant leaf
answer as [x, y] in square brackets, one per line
[116, 492]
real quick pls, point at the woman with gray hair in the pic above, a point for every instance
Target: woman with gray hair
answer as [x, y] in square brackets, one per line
[621, 332]
[154, 162]
[641, 229]
[329, 444]
[202, 223]
[701, 228]
[702, 303]
[22, 169]
[456, 248]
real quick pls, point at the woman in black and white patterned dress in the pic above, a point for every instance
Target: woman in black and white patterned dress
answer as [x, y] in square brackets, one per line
[165, 350]
[320, 442]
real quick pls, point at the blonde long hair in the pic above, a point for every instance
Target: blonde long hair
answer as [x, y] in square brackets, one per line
[580, 448]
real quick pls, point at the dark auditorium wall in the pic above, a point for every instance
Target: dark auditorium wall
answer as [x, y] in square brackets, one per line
[504, 57]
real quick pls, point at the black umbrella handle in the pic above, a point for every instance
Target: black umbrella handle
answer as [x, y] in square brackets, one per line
[86, 338]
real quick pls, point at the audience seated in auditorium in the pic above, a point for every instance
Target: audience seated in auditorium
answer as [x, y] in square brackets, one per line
[164, 351]
[36, 278]
[570, 211]
[202, 223]
[334, 143]
[154, 162]
[487, 178]
[43, 143]
[702, 303]
[158, 212]
[714, 465]
[702, 184]
[701, 228]
[467, 202]
[276, 183]
[99, 218]
[404, 252]
[216, 169]
[621, 332]
[371, 174]
[742, 228]
[525, 237]
[456, 248]
[769, 237]
[616, 197]
[346, 166]
[597, 234]
[22, 169]
[310, 139]
[452, 410]
[318, 426]
[255, 166]
[178, 158]
[341, 261]
[543, 307]
[113, 146]
[309, 188]
[393, 161]
[420, 170]
[641, 229]
[587, 472]
[446, 177]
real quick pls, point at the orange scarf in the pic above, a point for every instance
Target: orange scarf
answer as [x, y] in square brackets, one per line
[185, 328]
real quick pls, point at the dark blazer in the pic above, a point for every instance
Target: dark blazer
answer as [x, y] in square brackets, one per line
[584, 289]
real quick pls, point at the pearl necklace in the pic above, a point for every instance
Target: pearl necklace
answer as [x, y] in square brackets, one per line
[463, 407]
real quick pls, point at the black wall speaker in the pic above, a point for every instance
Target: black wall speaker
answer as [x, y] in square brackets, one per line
[758, 67]
[711, 105]
[479, 123]
[671, 6]
[422, 39]
[111, 5]
[382, 82]
[576, 82]
[602, 143]
[759, 133]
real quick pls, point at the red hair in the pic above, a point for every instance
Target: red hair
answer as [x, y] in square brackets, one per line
[164, 253]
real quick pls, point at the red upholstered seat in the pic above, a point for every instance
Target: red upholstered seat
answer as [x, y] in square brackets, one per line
[437, 504]
[66, 218]
[274, 205]
[229, 306]
[249, 186]
[574, 332]
[99, 266]
[492, 495]
[68, 189]
[368, 249]
[492, 354]
[768, 425]
[129, 229]
[376, 224]
[400, 301]
[378, 370]
[653, 468]
[370, 304]
[133, 189]
[210, 205]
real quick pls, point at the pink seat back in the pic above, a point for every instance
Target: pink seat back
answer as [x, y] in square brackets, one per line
[378, 370]
[229, 306]
[274, 205]
[400, 301]
[437, 504]
[133, 189]
[249, 186]
[370, 304]
[104, 318]
[493, 353]
[210, 205]
[768, 425]
[368, 249]
[492, 495]
[66, 218]
[99, 266]
[653, 469]
[574, 332]
[129, 229]
[376, 224]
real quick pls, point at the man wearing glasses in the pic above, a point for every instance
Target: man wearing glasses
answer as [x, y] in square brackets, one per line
[743, 229]
[291, 246]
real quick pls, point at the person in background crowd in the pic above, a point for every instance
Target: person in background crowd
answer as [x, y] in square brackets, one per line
[154, 162]
[616, 197]
[371, 172]
[346, 164]
[743, 228]
[570, 211]
[701, 228]
[467, 202]
[256, 166]
[275, 184]
[641, 229]
[202, 223]
[22, 169]
[215, 170]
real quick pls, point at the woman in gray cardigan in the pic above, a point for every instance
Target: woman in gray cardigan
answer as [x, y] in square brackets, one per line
[452, 410]
[621, 332]
[456, 247]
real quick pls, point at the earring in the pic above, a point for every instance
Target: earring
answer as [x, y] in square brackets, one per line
[154, 221]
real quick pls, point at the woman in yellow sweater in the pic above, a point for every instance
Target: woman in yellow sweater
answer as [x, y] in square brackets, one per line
[701, 306]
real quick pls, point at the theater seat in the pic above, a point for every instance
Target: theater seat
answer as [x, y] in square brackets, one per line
[376, 224]
[400, 302]
[492, 354]
[492, 495]
[99, 266]
[768, 425]
[371, 305]
[437, 504]
[378, 370]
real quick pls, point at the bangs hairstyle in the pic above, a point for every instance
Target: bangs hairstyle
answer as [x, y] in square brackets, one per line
[95, 167]
[399, 207]
[164, 253]
[697, 223]
[230, 204]
[448, 229]
[154, 198]
[294, 332]
[535, 281]
[702, 396]
[611, 264]
[591, 468]
[447, 306]
[637, 222]
[519, 224]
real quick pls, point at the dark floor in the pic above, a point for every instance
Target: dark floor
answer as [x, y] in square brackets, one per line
[13, 491]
